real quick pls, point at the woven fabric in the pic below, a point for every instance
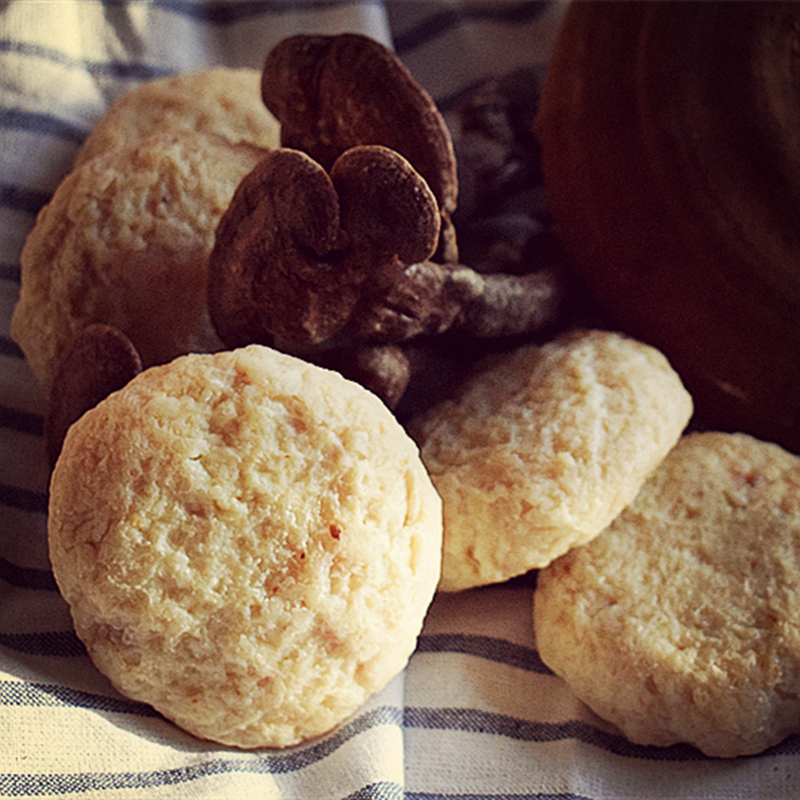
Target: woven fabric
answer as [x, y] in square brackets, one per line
[476, 714]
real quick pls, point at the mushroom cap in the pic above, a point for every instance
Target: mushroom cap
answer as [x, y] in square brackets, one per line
[100, 360]
[332, 93]
[298, 246]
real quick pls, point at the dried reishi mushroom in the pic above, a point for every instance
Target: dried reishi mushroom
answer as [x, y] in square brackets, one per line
[99, 360]
[387, 211]
[298, 246]
[332, 93]
[281, 223]
[497, 153]
[502, 212]
[417, 304]
[340, 246]
[430, 300]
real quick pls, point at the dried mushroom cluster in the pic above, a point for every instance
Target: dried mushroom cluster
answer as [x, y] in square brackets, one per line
[298, 246]
[340, 246]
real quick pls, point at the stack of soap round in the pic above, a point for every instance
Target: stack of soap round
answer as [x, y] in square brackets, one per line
[126, 237]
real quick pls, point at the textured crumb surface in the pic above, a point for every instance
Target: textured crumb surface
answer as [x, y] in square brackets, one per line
[247, 542]
[222, 101]
[544, 447]
[125, 241]
[681, 622]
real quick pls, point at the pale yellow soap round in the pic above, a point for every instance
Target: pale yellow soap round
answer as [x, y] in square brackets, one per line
[125, 241]
[247, 542]
[543, 447]
[681, 622]
[222, 101]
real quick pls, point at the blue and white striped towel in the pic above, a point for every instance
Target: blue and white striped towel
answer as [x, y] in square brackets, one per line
[476, 714]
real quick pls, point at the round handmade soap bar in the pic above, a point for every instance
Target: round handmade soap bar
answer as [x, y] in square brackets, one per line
[679, 623]
[247, 542]
[125, 241]
[543, 446]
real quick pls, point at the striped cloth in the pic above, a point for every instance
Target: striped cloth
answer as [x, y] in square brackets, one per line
[475, 714]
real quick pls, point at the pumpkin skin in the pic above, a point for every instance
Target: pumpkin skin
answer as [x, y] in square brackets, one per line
[670, 137]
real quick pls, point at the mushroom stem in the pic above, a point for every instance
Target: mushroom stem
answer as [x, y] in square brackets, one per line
[506, 305]
[431, 299]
